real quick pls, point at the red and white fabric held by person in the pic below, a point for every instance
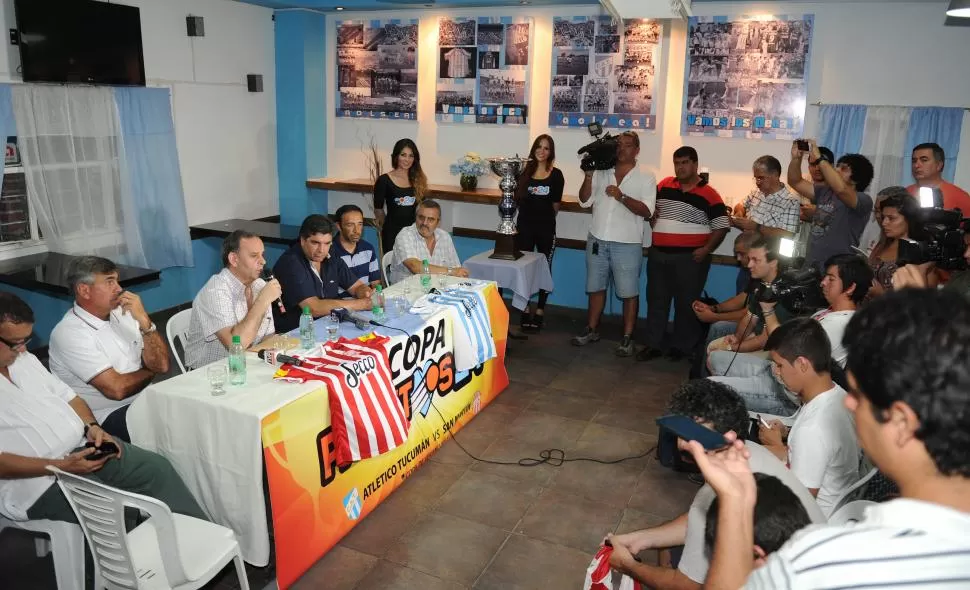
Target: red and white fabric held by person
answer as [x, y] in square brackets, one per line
[599, 576]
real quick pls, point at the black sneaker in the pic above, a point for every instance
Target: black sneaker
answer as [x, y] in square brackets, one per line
[649, 353]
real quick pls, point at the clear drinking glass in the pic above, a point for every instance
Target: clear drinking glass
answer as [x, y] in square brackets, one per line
[333, 327]
[217, 374]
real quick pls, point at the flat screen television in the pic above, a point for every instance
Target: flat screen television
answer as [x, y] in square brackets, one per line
[80, 41]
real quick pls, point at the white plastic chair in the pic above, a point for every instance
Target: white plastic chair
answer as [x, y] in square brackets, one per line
[178, 326]
[851, 512]
[66, 543]
[166, 551]
[386, 262]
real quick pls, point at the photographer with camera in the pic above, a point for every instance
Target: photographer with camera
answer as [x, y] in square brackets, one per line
[842, 208]
[690, 223]
[918, 276]
[845, 286]
[622, 196]
[899, 218]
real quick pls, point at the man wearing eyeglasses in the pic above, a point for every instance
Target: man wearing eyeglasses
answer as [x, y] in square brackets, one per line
[44, 423]
[106, 348]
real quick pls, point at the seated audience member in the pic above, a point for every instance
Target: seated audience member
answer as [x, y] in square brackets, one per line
[844, 286]
[358, 254]
[234, 302]
[928, 161]
[43, 423]
[899, 218]
[822, 450]
[723, 317]
[106, 348]
[717, 407]
[909, 372]
[749, 335]
[425, 241]
[841, 206]
[311, 277]
[778, 515]
[918, 275]
[770, 209]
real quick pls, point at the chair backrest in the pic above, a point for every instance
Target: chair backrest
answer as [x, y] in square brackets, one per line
[386, 262]
[100, 510]
[851, 512]
[178, 327]
[856, 491]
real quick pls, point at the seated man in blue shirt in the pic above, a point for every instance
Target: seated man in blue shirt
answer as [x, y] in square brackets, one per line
[310, 277]
[360, 257]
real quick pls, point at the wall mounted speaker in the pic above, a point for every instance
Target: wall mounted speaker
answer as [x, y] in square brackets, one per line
[194, 26]
[254, 82]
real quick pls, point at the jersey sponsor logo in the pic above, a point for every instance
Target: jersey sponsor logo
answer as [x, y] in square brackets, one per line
[355, 371]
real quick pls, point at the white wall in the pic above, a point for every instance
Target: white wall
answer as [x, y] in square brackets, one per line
[226, 135]
[895, 53]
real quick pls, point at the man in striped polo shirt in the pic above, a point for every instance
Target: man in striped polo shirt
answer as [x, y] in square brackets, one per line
[909, 378]
[690, 222]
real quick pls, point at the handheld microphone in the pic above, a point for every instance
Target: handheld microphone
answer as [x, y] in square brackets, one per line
[267, 275]
[272, 357]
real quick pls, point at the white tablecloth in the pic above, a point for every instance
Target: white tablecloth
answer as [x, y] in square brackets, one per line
[524, 277]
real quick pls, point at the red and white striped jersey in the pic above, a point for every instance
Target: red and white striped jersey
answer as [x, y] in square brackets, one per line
[365, 413]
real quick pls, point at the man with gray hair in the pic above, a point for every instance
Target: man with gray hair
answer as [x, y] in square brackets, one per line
[106, 348]
[770, 208]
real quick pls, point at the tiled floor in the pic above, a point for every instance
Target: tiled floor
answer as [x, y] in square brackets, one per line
[461, 523]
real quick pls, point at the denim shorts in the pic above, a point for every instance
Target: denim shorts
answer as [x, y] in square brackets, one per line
[623, 261]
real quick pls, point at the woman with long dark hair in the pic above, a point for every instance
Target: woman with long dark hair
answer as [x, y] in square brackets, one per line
[898, 215]
[400, 190]
[538, 193]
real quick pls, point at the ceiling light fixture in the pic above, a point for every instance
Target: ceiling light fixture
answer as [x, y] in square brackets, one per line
[339, 8]
[959, 8]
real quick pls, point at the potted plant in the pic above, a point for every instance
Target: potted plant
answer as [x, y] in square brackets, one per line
[469, 167]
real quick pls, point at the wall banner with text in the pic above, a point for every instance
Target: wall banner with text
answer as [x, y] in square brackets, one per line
[314, 502]
[483, 70]
[599, 74]
[746, 76]
[377, 76]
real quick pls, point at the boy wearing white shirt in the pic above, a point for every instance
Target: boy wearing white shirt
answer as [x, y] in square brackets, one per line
[822, 449]
[106, 348]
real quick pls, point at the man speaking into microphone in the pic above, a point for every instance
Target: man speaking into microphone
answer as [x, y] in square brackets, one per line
[310, 277]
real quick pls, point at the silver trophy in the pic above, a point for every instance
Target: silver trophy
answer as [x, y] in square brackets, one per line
[509, 169]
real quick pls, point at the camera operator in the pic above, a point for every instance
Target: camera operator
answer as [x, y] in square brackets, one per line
[622, 197]
[928, 161]
[690, 223]
[842, 208]
[845, 286]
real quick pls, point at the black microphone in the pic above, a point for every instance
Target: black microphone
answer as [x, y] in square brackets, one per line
[268, 276]
[278, 358]
[345, 315]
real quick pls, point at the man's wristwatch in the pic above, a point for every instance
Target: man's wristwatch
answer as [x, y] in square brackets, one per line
[150, 329]
[89, 426]
[821, 158]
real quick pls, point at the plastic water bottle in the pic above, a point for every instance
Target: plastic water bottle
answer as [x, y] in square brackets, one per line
[425, 275]
[237, 362]
[307, 337]
[377, 303]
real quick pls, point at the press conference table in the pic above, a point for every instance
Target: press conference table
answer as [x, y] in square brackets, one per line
[218, 444]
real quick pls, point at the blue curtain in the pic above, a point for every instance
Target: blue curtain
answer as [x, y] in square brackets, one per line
[8, 127]
[148, 138]
[841, 127]
[938, 125]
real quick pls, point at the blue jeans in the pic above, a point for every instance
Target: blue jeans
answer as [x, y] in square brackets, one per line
[751, 376]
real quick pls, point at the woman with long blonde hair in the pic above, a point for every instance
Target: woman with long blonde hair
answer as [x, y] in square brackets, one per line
[400, 191]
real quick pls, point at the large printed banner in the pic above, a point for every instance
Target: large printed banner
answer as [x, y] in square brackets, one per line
[314, 503]
[377, 76]
[483, 70]
[746, 76]
[600, 75]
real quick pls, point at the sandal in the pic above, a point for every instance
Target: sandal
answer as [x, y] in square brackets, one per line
[537, 321]
[525, 321]
[529, 323]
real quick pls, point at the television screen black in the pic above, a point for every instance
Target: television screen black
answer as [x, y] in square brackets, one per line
[80, 41]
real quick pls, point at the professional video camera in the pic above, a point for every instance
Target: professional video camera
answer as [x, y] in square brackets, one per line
[601, 153]
[798, 289]
[944, 231]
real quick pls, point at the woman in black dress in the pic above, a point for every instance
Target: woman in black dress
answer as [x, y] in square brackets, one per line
[400, 190]
[539, 193]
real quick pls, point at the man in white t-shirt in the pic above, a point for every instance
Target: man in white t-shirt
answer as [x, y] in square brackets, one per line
[106, 348]
[844, 286]
[909, 376]
[719, 408]
[822, 450]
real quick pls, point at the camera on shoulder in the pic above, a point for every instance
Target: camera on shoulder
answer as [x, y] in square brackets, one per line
[943, 231]
[797, 288]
